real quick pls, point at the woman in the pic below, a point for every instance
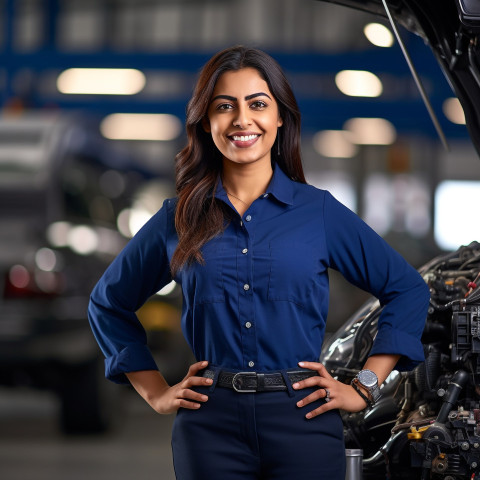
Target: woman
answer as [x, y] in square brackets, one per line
[250, 242]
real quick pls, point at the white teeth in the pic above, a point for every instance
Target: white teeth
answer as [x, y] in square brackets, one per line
[245, 138]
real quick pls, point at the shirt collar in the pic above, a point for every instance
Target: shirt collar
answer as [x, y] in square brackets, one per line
[281, 187]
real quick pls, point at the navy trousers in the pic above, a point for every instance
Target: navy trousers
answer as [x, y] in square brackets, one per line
[262, 436]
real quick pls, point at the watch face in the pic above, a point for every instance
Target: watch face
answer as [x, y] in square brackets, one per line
[367, 378]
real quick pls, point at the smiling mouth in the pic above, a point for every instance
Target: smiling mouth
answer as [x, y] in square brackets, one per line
[244, 141]
[243, 138]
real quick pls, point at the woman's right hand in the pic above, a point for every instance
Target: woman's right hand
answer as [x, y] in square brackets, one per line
[181, 395]
[166, 399]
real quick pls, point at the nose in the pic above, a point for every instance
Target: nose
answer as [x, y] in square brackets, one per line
[242, 118]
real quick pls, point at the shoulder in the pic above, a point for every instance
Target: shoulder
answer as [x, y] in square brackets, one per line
[161, 222]
[305, 192]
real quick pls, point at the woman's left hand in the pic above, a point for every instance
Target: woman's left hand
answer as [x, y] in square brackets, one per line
[341, 396]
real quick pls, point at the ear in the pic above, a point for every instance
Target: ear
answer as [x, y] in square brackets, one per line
[206, 124]
[280, 121]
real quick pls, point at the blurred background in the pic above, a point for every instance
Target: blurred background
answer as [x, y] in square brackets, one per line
[93, 96]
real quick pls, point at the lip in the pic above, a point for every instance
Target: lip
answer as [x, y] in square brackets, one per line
[243, 143]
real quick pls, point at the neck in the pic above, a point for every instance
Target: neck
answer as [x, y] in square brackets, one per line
[246, 182]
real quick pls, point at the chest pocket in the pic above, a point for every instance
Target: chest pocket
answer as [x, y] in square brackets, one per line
[205, 282]
[294, 273]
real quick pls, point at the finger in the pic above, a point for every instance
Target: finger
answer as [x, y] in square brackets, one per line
[195, 368]
[319, 367]
[318, 411]
[187, 394]
[182, 403]
[313, 397]
[196, 382]
[315, 381]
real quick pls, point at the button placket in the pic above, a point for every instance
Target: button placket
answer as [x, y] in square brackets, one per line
[246, 295]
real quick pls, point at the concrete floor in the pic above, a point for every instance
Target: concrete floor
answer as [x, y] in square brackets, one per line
[32, 448]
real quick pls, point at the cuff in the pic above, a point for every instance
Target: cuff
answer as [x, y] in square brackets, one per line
[397, 342]
[133, 358]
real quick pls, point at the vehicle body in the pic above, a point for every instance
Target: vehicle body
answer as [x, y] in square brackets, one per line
[59, 199]
[450, 28]
[427, 422]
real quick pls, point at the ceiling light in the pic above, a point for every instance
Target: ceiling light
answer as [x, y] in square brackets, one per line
[83, 239]
[453, 110]
[141, 126]
[334, 143]
[358, 83]
[378, 34]
[46, 259]
[101, 81]
[453, 221]
[371, 131]
[57, 233]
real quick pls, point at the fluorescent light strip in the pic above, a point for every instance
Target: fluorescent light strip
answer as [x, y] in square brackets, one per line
[141, 126]
[453, 110]
[101, 81]
[378, 34]
[371, 131]
[334, 144]
[358, 83]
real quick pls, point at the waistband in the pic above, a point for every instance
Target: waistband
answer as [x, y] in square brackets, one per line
[249, 382]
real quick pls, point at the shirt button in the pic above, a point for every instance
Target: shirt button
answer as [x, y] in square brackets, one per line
[245, 250]
[248, 324]
[246, 287]
[248, 218]
[265, 195]
[241, 223]
[251, 364]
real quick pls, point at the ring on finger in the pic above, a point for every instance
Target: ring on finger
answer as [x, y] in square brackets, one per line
[327, 395]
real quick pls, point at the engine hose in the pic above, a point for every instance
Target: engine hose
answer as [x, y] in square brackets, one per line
[472, 298]
[455, 386]
[427, 373]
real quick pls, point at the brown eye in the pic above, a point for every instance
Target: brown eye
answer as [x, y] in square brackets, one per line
[224, 106]
[258, 104]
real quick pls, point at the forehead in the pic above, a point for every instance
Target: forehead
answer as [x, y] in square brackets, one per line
[244, 82]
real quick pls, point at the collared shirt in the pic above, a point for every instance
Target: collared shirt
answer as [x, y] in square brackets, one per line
[260, 301]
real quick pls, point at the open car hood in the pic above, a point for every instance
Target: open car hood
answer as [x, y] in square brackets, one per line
[450, 27]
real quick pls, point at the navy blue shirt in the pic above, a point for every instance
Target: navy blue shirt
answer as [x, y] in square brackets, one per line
[260, 301]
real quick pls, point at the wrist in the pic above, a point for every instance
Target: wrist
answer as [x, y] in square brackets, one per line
[368, 381]
[361, 392]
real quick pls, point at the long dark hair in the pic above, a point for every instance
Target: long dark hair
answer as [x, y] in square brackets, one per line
[199, 216]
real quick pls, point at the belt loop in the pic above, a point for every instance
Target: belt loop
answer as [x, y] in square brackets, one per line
[216, 371]
[288, 383]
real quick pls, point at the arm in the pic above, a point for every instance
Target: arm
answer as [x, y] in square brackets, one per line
[342, 396]
[368, 262]
[163, 398]
[140, 270]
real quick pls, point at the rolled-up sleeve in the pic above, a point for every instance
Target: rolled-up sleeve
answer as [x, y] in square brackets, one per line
[139, 271]
[368, 262]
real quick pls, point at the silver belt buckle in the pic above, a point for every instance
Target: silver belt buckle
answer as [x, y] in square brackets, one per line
[237, 382]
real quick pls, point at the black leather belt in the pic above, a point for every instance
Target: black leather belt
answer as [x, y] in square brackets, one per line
[246, 382]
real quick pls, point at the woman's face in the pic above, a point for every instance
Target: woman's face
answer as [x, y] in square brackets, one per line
[243, 117]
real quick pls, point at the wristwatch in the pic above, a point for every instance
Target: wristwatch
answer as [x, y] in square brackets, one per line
[368, 380]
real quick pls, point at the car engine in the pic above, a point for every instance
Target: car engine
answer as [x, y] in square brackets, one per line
[426, 424]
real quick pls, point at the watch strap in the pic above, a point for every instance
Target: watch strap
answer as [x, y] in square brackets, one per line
[353, 383]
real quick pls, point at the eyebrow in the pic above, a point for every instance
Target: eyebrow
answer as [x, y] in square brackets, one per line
[248, 97]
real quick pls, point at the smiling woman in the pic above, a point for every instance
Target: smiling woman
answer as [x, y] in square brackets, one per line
[251, 243]
[243, 118]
